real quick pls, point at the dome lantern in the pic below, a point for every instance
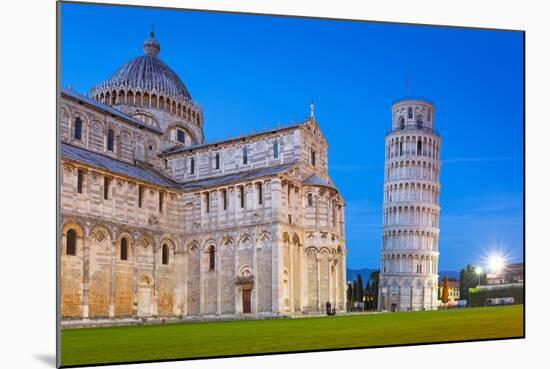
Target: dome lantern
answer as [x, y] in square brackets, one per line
[151, 46]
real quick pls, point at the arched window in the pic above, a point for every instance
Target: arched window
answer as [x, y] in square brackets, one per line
[71, 242]
[419, 148]
[410, 113]
[401, 148]
[165, 254]
[124, 249]
[180, 136]
[245, 155]
[309, 199]
[111, 140]
[212, 257]
[78, 128]
[419, 122]
[401, 122]
[312, 157]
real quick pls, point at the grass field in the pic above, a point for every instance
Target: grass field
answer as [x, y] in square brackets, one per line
[192, 340]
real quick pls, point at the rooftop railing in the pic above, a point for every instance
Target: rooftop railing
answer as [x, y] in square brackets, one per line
[411, 129]
[413, 98]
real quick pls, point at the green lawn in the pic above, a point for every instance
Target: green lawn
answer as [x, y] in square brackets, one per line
[192, 340]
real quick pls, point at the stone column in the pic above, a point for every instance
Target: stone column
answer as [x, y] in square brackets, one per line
[185, 297]
[291, 275]
[201, 286]
[423, 297]
[218, 281]
[412, 297]
[236, 289]
[178, 284]
[135, 275]
[344, 285]
[303, 279]
[329, 277]
[337, 284]
[398, 308]
[254, 292]
[319, 306]
[155, 278]
[112, 281]
[85, 273]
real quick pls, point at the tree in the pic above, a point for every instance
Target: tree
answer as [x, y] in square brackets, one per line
[354, 289]
[375, 278]
[445, 293]
[368, 296]
[349, 293]
[359, 288]
[469, 279]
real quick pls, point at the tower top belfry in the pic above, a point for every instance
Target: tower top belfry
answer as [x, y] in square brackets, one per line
[411, 112]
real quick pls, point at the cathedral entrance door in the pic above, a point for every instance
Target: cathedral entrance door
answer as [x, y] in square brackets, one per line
[246, 301]
[144, 297]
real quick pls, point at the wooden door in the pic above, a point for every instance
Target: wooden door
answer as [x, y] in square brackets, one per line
[246, 301]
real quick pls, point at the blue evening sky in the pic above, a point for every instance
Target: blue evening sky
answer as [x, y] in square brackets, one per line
[251, 72]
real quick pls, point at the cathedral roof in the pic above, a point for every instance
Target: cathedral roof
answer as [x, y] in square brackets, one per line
[181, 149]
[147, 73]
[236, 177]
[112, 165]
[315, 180]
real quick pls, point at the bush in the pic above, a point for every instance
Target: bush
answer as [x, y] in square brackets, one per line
[479, 297]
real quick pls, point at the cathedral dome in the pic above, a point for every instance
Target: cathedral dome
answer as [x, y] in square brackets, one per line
[147, 74]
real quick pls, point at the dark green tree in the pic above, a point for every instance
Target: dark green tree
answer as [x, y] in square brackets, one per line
[354, 290]
[375, 278]
[359, 288]
[368, 296]
[349, 294]
[470, 279]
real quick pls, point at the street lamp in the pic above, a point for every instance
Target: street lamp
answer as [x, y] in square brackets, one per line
[478, 272]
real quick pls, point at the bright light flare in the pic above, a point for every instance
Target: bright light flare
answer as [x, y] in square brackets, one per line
[496, 263]
[496, 260]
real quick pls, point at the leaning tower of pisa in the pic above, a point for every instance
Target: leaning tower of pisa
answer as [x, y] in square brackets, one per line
[410, 228]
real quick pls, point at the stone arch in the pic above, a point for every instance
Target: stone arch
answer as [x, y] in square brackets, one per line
[227, 244]
[139, 148]
[144, 295]
[264, 239]
[207, 243]
[72, 224]
[125, 234]
[182, 125]
[101, 228]
[76, 227]
[193, 245]
[244, 271]
[245, 241]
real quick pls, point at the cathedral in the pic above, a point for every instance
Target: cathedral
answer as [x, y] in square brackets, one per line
[158, 223]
